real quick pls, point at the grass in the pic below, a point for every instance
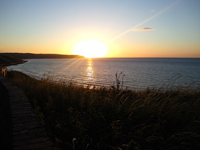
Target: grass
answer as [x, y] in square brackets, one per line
[108, 118]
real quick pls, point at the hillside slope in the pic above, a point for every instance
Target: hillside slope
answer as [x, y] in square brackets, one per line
[6, 60]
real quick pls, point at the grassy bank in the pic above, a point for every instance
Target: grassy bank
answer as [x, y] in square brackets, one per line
[114, 119]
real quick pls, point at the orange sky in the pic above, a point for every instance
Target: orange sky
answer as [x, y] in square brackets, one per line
[168, 28]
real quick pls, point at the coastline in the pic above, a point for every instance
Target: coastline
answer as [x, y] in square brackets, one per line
[111, 117]
[11, 64]
[39, 56]
[147, 74]
[7, 60]
[154, 119]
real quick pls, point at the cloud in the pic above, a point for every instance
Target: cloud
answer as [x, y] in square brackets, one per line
[152, 10]
[143, 29]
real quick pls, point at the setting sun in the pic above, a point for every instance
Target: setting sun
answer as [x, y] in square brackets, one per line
[90, 49]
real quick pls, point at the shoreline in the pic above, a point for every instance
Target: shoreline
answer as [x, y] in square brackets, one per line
[39, 56]
[11, 64]
[7, 60]
[172, 80]
[112, 117]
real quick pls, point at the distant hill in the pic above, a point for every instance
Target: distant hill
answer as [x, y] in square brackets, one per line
[39, 56]
[6, 60]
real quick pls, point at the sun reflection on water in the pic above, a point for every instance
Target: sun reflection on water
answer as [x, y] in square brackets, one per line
[90, 73]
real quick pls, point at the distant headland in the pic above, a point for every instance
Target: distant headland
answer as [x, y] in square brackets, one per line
[7, 59]
[40, 56]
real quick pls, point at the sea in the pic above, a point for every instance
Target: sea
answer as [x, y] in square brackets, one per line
[129, 73]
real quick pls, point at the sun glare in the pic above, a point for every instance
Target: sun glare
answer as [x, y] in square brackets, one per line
[90, 49]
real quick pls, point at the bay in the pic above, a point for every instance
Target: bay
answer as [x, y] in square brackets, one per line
[136, 73]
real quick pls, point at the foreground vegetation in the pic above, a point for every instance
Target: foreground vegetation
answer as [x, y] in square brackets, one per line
[107, 118]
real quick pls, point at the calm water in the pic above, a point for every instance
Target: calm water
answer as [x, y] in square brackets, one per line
[139, 72]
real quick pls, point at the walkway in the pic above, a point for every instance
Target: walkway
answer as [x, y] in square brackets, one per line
[27, 131]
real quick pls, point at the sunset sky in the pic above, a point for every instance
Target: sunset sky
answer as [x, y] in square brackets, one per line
[129, 28]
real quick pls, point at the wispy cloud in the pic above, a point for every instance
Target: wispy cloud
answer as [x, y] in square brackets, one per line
[145, 21]
[143, 29]
[152, 10]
